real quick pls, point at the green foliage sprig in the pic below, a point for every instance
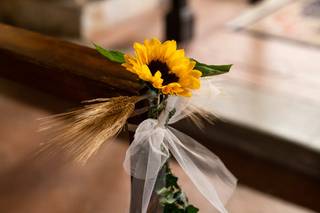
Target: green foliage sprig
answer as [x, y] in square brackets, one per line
[112, 55]
[210, 70]
[172, 198]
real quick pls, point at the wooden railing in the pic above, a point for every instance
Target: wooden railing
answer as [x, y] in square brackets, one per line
[258, 159]
[60, 67]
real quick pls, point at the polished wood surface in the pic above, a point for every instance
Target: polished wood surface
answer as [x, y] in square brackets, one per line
[60, 67]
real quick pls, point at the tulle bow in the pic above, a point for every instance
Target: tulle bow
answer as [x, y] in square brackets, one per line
[151, 148]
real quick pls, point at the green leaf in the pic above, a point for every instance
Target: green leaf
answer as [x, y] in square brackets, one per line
[169, 200]
[112, 55]
[172, 198]
[182, 198]
[191, 209]
[163, 191]
[210, 70]
[171, 208]
[171, 180]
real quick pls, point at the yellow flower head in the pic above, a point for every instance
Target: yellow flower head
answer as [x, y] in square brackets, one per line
[165, 67]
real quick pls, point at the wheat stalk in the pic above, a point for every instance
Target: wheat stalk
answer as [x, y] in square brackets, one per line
[83, 131]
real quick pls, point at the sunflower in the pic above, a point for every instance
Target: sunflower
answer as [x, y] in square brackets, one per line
[164, 67]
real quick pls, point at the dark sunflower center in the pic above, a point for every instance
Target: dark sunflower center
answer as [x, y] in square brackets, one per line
[167, 77]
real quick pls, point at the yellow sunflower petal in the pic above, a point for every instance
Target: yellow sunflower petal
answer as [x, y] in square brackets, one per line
[130, 63]
[172, 88]
[180, 69]
[185, 93]
[152, 42]
[192, 64]
[144, 73]
[168, 48]
[195, 83]
[157, 80]
[196, 73]
[152, 47]
[173, 62]
[176, 58]
[141, 52]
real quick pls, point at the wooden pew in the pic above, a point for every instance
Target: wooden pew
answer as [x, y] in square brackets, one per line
[259, 160]
[59, 67]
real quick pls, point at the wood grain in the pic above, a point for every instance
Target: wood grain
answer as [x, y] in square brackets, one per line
[60, 67]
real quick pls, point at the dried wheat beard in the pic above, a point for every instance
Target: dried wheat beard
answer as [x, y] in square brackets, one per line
[83, 131]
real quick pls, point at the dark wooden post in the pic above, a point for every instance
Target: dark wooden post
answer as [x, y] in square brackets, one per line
[179, 21]
[254, 1]
[137, 185]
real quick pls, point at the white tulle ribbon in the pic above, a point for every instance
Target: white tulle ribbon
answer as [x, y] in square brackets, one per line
[151, 148]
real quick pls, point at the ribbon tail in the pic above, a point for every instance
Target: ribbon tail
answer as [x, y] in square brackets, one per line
[150, 181]
[146, 156]
[205, 169]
